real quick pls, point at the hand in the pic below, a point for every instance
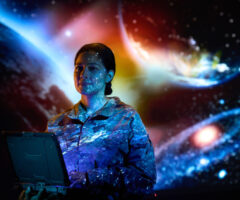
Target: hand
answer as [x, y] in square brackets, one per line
[42, 194]
[78, 179]
[28, 194]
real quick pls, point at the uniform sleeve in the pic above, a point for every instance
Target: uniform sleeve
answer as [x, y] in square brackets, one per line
[141, 171]
[138, 175]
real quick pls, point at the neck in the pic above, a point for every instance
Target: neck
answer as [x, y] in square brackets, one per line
[93, 102]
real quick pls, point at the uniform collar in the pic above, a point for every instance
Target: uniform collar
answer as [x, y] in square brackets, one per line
[78, 111]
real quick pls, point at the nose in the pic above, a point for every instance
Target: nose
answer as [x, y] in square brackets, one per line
[84, 73]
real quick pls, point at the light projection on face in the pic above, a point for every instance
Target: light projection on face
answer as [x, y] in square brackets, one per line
[89, 74]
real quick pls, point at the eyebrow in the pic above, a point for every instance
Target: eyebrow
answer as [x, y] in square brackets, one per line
[87, 64]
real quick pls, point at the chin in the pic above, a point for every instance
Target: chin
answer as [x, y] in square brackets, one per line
[86, 92]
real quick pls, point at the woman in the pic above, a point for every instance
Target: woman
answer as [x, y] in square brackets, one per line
[104, 142]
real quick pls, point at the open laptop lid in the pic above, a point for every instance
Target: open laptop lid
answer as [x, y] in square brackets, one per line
[36, 158]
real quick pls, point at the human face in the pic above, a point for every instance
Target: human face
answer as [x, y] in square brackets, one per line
[90, 75]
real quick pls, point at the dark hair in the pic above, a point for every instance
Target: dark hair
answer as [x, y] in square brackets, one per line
[106, 55]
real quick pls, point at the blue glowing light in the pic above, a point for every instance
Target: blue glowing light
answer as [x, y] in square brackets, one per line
[221, 101]
[222, 173]
[204, 161]
[190, 170]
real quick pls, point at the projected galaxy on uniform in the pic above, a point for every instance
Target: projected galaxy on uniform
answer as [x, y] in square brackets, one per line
[177, 64]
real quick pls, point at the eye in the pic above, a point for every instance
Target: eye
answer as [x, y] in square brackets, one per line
[92, 68]
[79, 68]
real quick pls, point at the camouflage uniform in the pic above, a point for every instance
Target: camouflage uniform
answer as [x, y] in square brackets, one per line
[110, 148]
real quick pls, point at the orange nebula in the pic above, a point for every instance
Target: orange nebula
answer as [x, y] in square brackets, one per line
[206, 136]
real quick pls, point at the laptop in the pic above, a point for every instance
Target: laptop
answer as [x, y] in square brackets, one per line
[37, 160]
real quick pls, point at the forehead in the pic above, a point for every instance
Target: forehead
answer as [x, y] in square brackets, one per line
[89, 57]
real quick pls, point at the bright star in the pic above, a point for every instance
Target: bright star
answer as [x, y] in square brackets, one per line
[221, 101]
[222, 173]
[68, 33]
[204, 161]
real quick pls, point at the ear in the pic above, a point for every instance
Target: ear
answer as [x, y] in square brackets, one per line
[109, 76]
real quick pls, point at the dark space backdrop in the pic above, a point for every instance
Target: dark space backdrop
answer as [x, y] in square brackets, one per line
[177, 65]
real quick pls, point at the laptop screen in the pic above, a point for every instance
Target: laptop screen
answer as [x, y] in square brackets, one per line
[36, 158]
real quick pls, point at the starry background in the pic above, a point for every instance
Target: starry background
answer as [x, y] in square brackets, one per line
[55, 30]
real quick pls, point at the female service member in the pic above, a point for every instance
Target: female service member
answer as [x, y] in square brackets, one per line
[104, 142]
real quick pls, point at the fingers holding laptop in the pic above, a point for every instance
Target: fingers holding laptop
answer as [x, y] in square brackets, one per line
[78, 179]
[30, 194]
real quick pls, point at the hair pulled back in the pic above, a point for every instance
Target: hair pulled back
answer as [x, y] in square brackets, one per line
[105, 54]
